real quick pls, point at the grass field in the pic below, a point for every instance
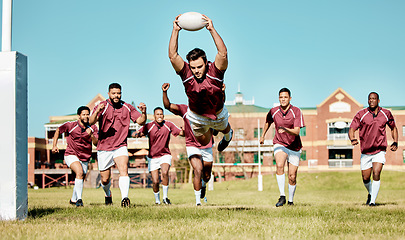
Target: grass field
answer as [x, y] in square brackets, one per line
[328, 205]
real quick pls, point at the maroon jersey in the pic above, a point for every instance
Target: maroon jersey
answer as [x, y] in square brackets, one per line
[290, 119]
[114, 124]
[78, 140]
[205, 97]
[159, 137]
[373, 138]
[188, 132]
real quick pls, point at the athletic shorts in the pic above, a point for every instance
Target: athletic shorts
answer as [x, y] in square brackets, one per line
[366, 160]
[293, 156]
[69, 159]
[155, 163]
[200, 124]
[206, 153]
[106, 158]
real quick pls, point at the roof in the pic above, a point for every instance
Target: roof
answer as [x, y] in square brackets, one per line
[240, 108]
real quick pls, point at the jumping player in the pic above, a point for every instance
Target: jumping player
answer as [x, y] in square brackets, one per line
[288, 121]
[372, 122]
[159, 155]
[80, 135]
[113, 116]
[203, 81]
[200, 156]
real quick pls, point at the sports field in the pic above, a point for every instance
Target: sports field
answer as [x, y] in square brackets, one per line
[328, 205]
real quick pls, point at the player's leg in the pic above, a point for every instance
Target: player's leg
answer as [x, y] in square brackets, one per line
[377, 168]
[292, 182]
[155, 185]
[105, 161]
[196, 163]
[78, 188]
[366, 170]
[165, 167]
[208, 159]
[123, 182]
[69, 160]
[204, 138]
[281, 158]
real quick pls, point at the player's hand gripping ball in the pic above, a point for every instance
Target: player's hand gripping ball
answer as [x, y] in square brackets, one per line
[191, 21]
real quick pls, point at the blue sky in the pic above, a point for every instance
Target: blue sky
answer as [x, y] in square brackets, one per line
[76, 48]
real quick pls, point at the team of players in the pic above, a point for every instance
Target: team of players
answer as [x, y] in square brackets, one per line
[204, 115]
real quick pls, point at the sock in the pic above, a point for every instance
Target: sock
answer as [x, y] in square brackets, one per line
[291, 192]
[123, 183]
[74, 196]
[197, 196]
[203, 183]
[78, 188]
[106, 189]
[368, 186]
[281, 183]
[374, 192]
[165, 190]
[157, 197]
[228, 135]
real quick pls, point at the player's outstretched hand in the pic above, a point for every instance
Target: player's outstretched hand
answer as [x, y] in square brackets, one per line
[261, 140]
[175, 25]
[142, 107]
[394, 146]
[209, 25]
[55, 149]
[165, 87]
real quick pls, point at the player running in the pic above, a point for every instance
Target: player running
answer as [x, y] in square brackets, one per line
[288, 121]
[113, 116]
[200, 156]
[80, 135]
[203, 82]
[372, 122]
[159, 155]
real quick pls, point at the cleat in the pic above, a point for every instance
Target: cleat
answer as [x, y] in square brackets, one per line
[368, 199]
[198, 204]
[281, 201]
[203, 189]
[214, 132]
[71, 202]
[290, 203]
[223, 143]
[205, 199]
[372, 205]
[79, 203]
[166, 201]
[125, 202]
[108, 200]
[157, 203]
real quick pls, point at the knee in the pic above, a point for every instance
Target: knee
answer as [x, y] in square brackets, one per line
[292, 176]
[105, 181]
[80, 175]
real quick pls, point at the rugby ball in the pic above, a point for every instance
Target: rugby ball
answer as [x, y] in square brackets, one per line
[191, 21]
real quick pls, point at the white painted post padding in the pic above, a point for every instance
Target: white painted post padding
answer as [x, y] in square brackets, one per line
[13, 143]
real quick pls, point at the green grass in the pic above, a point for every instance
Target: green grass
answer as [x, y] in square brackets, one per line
[327, 205]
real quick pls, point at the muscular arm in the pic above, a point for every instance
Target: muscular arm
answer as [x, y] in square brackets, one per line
[173, 108]
[94, 140]
[55, 148]
[94, 118]
[352, 137]
[394, 134]
[265, 128]
[221, 59]
[175, 59]
[292, 131]
[141, 120]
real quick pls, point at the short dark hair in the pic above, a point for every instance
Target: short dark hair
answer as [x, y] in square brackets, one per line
[81, 109]
[285, 90]
[195, 54]
[378, 96]
[114, 85]
[157, 108]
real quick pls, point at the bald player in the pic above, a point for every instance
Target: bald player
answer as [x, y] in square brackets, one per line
[200, 157]
[113, 116]
[80, 136]
[203, 81]
[158, 133]
[371, 123]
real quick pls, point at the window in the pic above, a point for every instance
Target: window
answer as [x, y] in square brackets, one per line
[256, 160]
[403, 155]
[303, 132]
[221, 158]
[256, 133]
[303, 155]
[338, 131]
[37, 155]
[403, 131]
[340, 153]
[237, 158]
[240, 133]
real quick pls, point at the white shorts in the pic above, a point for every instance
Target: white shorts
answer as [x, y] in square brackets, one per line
[69, 159]
[106, 158]
[366, 160]
[200, 124]
[293, 156]
[206, 153]
[155, 163]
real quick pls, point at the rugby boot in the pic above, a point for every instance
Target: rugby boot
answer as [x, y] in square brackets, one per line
[281, 201]
[290, 203]
[223, 143]
[166, 201]
[71, 202]
[79, 203]
[108, 200]
[368, 199]
[125, 202]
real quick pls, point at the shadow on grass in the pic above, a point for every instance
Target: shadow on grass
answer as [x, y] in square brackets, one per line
[36, 213]
[118, 204]
[235, 208]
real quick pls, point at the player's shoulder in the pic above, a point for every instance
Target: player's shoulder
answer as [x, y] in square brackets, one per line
[69, 123]
[385, 110]
[361, 112]
[274, 109]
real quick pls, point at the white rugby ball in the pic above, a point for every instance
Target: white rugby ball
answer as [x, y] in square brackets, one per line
[191, 21]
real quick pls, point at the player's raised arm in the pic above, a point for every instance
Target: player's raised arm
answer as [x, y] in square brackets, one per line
[94, 117]
[141, 120]
[55, 148]
[166, 102]
[175, 59]
[221, 59]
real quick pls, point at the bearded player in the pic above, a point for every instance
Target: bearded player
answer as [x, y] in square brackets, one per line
[203, 81]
